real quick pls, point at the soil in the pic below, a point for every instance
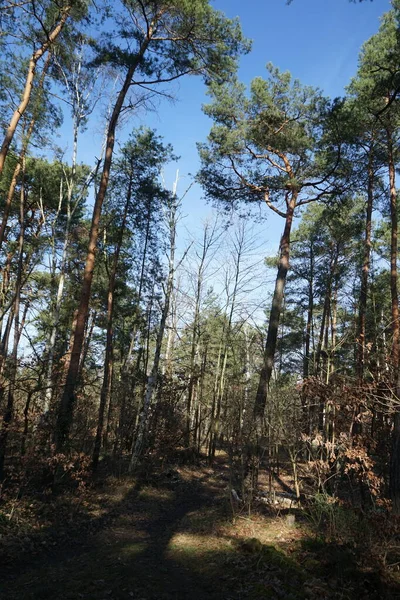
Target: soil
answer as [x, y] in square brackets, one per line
[174, 538]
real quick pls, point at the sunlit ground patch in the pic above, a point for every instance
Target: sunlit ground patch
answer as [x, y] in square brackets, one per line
[132, 549]
[155, 494]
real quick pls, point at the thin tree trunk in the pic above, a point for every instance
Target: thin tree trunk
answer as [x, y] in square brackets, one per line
[169, 351]
[63, 265]
[26, 95]
[365, 270]
[21, 158]
[110, 410]
[65, 413]
[395, 457]
[108, 361]
[126, 362]
[209, 436]
[310, 315]
[8, 414]
[323, 336]
[208, 241]
[326, 339]
[226, 337]
[87, 339]
[332, 353]
[200, 403]
[153, 378]
[195, 335]
[5, 284]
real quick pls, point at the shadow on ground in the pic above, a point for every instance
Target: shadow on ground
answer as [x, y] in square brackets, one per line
[170, 540]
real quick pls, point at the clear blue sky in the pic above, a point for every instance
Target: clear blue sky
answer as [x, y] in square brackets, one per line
[318, 41]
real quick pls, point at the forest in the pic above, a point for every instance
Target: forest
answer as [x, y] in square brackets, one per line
[185, 413]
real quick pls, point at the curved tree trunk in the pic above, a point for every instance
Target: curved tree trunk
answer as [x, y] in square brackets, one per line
[26, 95]
[21, 158]
[276, 309]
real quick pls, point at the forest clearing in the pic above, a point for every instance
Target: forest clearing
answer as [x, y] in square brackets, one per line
[199, 303]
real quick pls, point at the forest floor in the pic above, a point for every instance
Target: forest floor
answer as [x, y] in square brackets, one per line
[173, 537]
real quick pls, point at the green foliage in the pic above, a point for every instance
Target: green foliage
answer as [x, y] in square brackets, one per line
[269, 141]
[332, 520]
[184, 36]
[378, 80]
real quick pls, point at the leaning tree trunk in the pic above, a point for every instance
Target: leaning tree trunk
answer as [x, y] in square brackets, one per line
[26, 95]
[276, 309]
[65, 414]
[21, 158]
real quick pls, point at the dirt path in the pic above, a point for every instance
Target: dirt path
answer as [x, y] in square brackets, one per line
[173, 539]
[129, 557]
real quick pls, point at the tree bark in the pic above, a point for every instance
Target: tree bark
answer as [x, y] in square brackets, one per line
[365, 269]
[395, 456]
[153, 378]
[276, 309]
[310, 315]
[8, 414]
[108, 361]
[65, 413]
[21, 158]
[26, 95]
[207, 243]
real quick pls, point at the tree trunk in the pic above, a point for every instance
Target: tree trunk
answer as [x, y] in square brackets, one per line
[65, 413]
[8, 414]
[395, 457]
[365, 270]
[226, 338]
[209, 239]
[21, 158]
[194, 343]
[169, 351]
[276, 309]
[128, 358]
[5, 284]
[310, 315]
[153, 378]
[26, 95]
[71, 185]
[332, 352]
[108, 361]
